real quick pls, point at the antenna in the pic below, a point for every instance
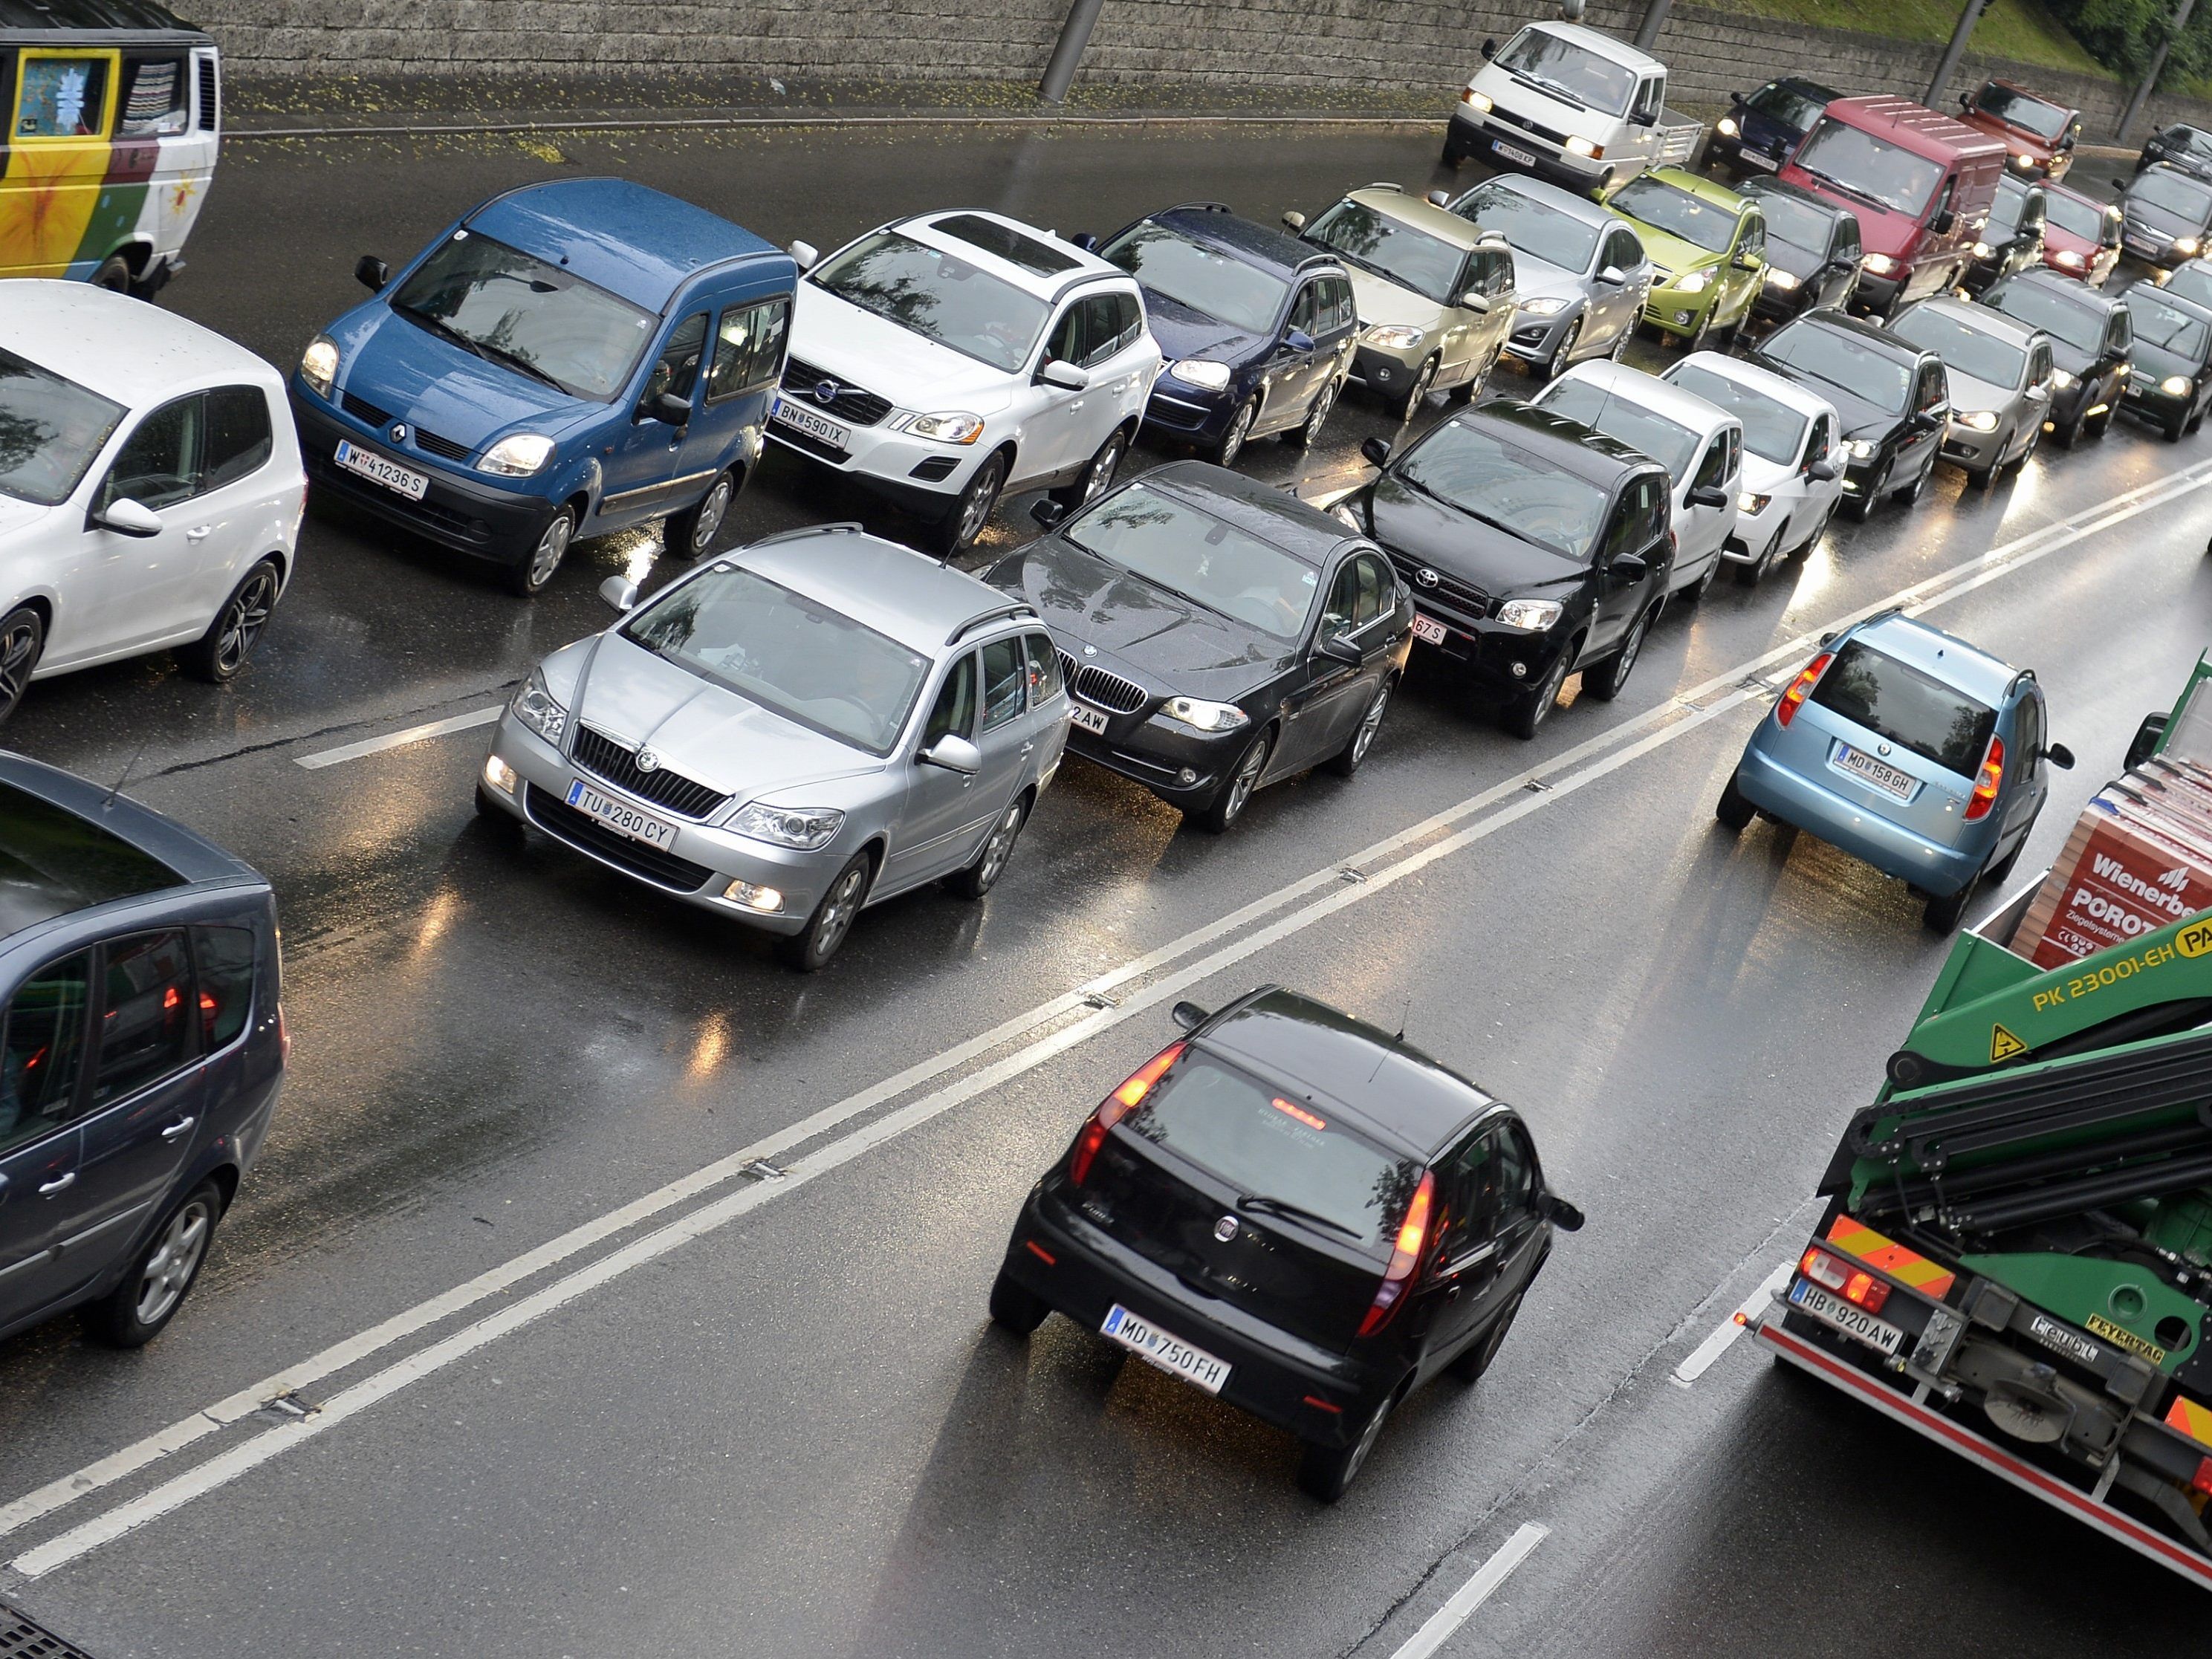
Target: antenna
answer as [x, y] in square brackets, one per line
[1405, 1018]
[127, 771]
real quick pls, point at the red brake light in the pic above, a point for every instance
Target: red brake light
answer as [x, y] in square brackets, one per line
[1405, 1256]
[2203, 1478]
[1854, 1284]
[1867, 1290]
[1802, 688]
[1987, 782]
[1823, 1269]
[1112, 1109]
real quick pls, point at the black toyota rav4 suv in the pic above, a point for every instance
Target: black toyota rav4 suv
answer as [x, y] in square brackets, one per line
[1295, 1211]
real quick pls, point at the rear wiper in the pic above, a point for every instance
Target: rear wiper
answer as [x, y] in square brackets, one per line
[1260, 1203]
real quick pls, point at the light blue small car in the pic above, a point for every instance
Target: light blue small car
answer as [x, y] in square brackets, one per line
[1909, 748]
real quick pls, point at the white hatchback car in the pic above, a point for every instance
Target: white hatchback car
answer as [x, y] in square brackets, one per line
[1793, 474]
[945, 359]
[1700, 447]
[150, 487]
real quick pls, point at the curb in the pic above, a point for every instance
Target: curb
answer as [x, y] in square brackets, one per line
[650, 123]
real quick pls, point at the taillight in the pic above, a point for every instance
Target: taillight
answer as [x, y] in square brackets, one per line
[1115, 1107]
[1854, 1284]
[1987, 782]
[1405, 1256]
[1802, 688]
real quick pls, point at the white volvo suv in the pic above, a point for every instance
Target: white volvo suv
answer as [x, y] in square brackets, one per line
[943, 360]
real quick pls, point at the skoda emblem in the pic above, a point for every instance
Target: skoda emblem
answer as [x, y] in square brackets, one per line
[647, 760]
[399, 433]
[825, 391]
[1881, 748]
[1425, 577]
[1225, 1229]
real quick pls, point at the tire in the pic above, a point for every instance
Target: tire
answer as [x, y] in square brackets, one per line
[979, 878]
[1525, 716]
[1941, 916]
[1980, 478]
[691, 534]
[1909, 495]
[218, 655]
[1750, 576]
[22, 640]
[1418, 393]
[1014, 1310]
[114, 275]
[1468, 1366]
[1235, 794]
[1697, 589]
[2027, 450]
[529, 578]
[2195, 421]
[1860, 507]
[1619, 344]
[1702, 335]
[1307, 433]
[972, 512]
[132, 1314]
[1326, 1473]
[1226, 452]
[1610, 678]
[1453, 155]
[2173, 426]
[496, 818]
[2071, 434]
[1097, 473]
[1734, 812]
[1346, 761]
[1820, 529]
[2101, 424]
[1562, 354]
[2001, 871]
[810, 950]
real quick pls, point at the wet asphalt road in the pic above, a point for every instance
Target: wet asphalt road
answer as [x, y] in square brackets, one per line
[795, 1433]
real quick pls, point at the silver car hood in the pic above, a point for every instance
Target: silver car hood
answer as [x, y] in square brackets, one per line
[1969, 393]
[1380, 301]
[725, 741]
[1540, 279]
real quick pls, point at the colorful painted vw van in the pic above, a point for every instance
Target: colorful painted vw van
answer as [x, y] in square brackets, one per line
[112, 108]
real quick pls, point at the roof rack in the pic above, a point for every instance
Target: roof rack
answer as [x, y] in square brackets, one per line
[1196, 207]
[843, 527]
[1007, 611]
[1384, 183]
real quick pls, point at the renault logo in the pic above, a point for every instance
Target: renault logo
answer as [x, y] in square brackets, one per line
[647, 760]
[825, 391]
[1225, 1229]
[1425, 577]
[399, 433]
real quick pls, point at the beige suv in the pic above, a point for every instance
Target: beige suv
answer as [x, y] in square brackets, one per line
[1434, 293]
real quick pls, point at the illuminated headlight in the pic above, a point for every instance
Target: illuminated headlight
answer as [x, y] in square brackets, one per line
[1394, 336]
[950, 426]
[2021, 159]
[1478, 101]
[499, 775]
[1880, 263]
[1727, 128]
[1977, 420]
[2177, 386]
[808, 829]
[516, 455]
[1532, 615]
[2060, 379]
[319, 364]
[1544, 307]
[1860, 449]
[1203, 716]
[1753, 504]
[2187, 246]
[2072, 261]
[1576, 145]
[1199, 371]
[1781, 279]
[1983, 249]
[766, 900]
[535, 707]
[1695, 283]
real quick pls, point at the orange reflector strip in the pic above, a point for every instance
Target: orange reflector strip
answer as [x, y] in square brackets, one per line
[1888, 1257]
[1321, 1404]
[2192, 1419]
[1042, 1254]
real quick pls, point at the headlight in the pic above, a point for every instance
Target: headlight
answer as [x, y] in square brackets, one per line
[2071, 260]
[1748, 502]
[535, 707]
[2022, 160]
[807, 828]
[1532, 615]
[1544, 307]
[1695, 283]
[1880, 263]
[2177, 386]
[1393, 336]
[1727, 128]
[1203, 716]
[2060, 379]
[1781, 279]
[1860, 449]
[517, 456]
[319, 364]
[1582, 147]
[1479, 101]
[1983, 249]
[952, 426]
[2187, 246]
[1344, 516]
[1977, 420]
[1198, 372]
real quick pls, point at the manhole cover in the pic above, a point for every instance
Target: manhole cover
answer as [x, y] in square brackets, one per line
[20, 1638]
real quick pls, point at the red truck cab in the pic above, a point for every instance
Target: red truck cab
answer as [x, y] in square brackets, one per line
[1920, 185]
[2039, 134]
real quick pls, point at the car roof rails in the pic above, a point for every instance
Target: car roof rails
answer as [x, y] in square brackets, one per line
[843, 527]
[1197, 207]
[1009, 610]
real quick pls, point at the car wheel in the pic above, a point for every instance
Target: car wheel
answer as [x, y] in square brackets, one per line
[218, 655]
[1562, 354]
[1327, 1472]
[2027, 450]
[2071, 434]
[2174, 424]
[979, 878]
[1098, 477]
[1734, 812]
[1307, 433]
[1231, 446]
[810, 950]
[2195, 421]
[1526, 714]
[1610, 678]
[1820, 529]
[1619, 344]
[1697, 589]
[2002, 870]
[497, 819]
[2103, 423]
[114, 275]
[132, 1314]
[691, 534]
[960, 527]
[1230, 801]
[1907, 495]
[530, 577]
[1980, 478]
[1453, 155]
[1469, 1365]
[1418, 393]
[1941, 916]
[23, 637]
[1015, 1309]
[1346, 760]
[1702, 335]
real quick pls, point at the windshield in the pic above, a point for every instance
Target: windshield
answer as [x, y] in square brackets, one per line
[1670, 444]
[1575, 72]
[938, 295]
[2192, 283]
[1531, 227]
[1799, 224]
[1506, 486]
[1962, 347]
[1871, 168]
[1677, 212]
[2005, 212]
[1174, 545]
[1234, 1127]
[2019, 109]
[1788, 106]
[537, 318]
[1772, 429]
[2057, 314]
[2175, 192]
[792, 655]
[1895, 700]
[1835, 357]
[2075, 215]
[1209, 281]
[1389, 249]
[50, 430]
[2168, 328]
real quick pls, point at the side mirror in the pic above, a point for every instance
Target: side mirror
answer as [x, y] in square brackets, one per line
[2039, 394]
[1049, 513]
[1823, 473]
[955, 755]
[1628, 567]
[1828, 638]
[1707, 495]
[1489, 47]
[620, 592]
[1613, 277]
[1750, 260]
[1297, 340]
[1294, 220]
[1965, 100]
[1341, 649]
[1477, 303]
[2059, 756]
[372, 273]
[1375, 452]
[1188, 1015]
[1085, 240]
[127, 518]
[1438, 199]
[666, 406]
[1944, 222]
[806, 254]
[1566, 1217]
[1066, 376]
[2144, 744]
[1936, 417]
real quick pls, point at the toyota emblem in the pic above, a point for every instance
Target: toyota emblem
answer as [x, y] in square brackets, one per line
[1425, 577]
[399, 433]
[1225, 1229]
[825, 391]
[647, 760]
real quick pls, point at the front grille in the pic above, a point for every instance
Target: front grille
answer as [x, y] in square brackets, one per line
[1511, 120]
[369, 415]
[849, 402]
[20, 1638]
[437, 446]
[556, 817]
[1097, 685]
[1447, 589]
[362, 409]
[595, 751]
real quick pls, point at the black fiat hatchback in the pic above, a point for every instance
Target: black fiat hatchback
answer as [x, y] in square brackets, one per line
[1296, 1213]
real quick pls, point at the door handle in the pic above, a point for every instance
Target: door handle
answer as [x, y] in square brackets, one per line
[178, 1127]
[60, 1184]
[1452, 1295]
[1027, 747]
[200, 534]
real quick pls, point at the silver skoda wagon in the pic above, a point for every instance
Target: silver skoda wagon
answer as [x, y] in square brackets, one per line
[792, 732]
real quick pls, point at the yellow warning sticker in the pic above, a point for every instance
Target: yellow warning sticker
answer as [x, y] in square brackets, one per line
[2003, 1045]
[2195, 938]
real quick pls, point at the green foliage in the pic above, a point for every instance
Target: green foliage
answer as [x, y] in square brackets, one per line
[2125, 34]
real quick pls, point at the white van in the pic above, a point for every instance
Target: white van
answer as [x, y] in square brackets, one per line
[1573, 105]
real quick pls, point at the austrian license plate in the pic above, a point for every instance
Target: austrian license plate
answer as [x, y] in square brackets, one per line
[1170, 1353]
[1428, 629]
[799, 418]
[1514, 154]
[370, 464]
[1840, 1314]
[616, 815]
[1090, 720]
[1752, 158]
[1879, 773]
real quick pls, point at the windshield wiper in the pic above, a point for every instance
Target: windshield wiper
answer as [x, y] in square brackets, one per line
[1851, 190]
[1407, 478]
[1260, 1203]
[520, 365]
[490, 354]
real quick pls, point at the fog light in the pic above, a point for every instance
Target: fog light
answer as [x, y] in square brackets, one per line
[766, 900]
[1188, 775]
[1382, 372]
[499, 775]
[1682, 318]
[1520, 670]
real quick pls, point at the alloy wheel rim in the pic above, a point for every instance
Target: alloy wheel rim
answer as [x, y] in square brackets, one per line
[711, 512]
[1368, 1437]
[1628, 651]
[1564, 355]
[552, 547]
[243, 619]
[18, 648]
[1370, 723]
[837, 913]
[177, 1256]
[1002, 844]
[1548, 692]
[1101, 470]
[1239, 429]
[1248, 779]
[977, 513]
[1422, 382]
[1318, 414]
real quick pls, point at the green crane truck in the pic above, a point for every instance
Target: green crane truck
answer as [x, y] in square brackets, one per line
[2016, 1260]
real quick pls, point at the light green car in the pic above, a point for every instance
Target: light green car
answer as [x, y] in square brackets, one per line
[1708, 248]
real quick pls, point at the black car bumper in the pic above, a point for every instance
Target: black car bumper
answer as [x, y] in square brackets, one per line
[1182, 767]
[1495, 658]
[1189, 413]
[1877, 294]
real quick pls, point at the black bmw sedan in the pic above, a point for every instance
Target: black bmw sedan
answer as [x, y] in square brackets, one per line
[1535, 548]
[1218, 634]
[1296, 1213]
[1893, 397]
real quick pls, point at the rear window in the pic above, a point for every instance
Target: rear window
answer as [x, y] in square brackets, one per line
[1321, 1173]
[52, 862]
[1896, 700]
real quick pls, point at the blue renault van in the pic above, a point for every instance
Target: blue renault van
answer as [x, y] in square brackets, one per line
[568, 359]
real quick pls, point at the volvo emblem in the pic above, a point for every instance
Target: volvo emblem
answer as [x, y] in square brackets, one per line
[1225, 1229]
[399, 433]
[1425, 577]
[825, 391]
[647, 760]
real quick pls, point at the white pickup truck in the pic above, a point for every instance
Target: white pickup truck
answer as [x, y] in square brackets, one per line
[1573, 105]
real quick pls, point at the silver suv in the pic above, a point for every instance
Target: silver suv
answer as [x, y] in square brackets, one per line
[792, 732]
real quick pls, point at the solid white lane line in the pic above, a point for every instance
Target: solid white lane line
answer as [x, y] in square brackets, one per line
[1703, 1355]
[1446, 1621]
[346, 751]
[1963, 578]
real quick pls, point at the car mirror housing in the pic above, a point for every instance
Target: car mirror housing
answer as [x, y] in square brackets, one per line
[372, 273]
[1066, 376]
[954, 754]
[1049, 513]
[1944, 222]
[1628, 567]
[806, 255]
[1707, 495]
[1567, 1218]
[1375, 452]
[1613, 277]
[1294, 220]
[620, 592]
[2145, 741]
[1438, 199]
[1299, 341]
[1822, 472]
[2039, 394]
[1343, 648]
[667, 407]
[1750, 260]
[1085, 240]
[1188, 1015]
[1477, 303]
[1489, 47]
[128, 518]
[2060, 756]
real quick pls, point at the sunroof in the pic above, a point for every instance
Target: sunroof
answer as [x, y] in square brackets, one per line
[1010, 245]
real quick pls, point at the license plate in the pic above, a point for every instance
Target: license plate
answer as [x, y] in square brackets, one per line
[1753, 158]
[1840, 1314]
[1092, 720]
[1881, 774]
[1514, 154]
[1170, 1353]
[370, 464]
[638, 826]
[1429, 629]
[799, 418]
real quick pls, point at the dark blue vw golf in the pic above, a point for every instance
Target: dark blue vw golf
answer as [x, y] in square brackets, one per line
[565, 360]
